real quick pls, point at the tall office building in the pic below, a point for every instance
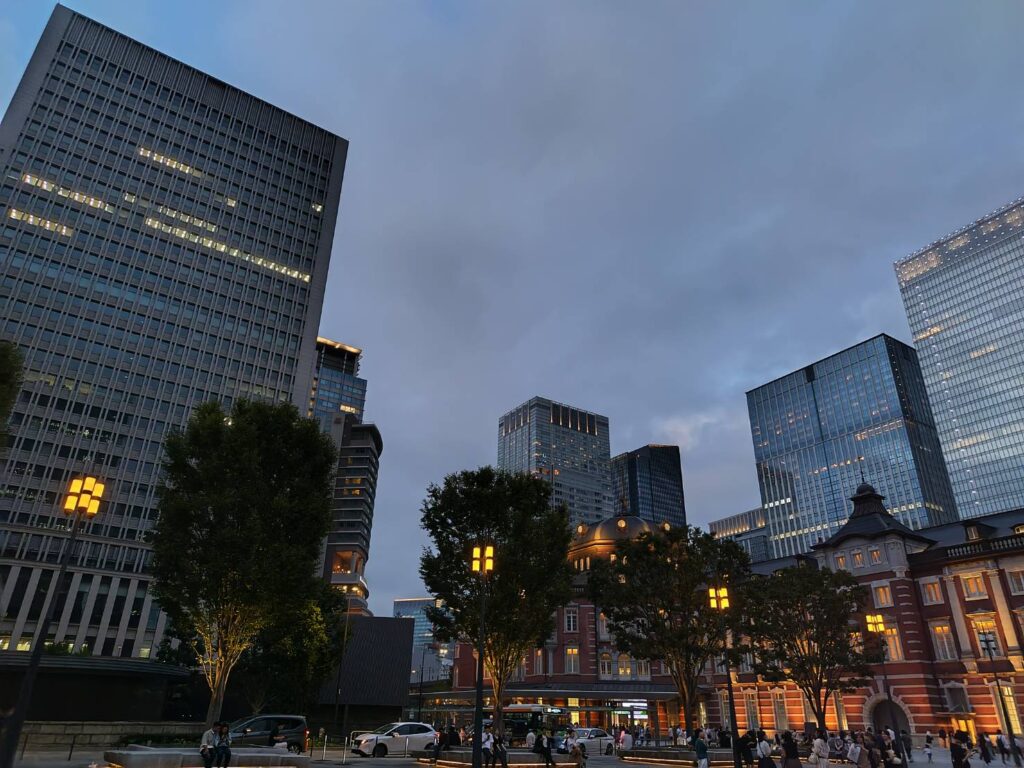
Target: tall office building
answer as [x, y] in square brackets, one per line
[819, 431]
[962, 297]
[164, 241]
[338, 401]
[568, 447]
[748, 529]
[648, 483]
[430, 659]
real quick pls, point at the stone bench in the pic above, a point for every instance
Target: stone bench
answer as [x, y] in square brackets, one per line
[461, 757]
[138, 756]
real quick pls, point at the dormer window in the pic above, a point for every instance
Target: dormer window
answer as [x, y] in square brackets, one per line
[858, 558]
[875, 555]
[840, 561]
[972, 533]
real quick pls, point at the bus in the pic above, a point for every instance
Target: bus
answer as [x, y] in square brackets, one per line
[520, 719]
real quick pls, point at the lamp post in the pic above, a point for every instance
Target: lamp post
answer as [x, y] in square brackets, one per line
[990, 645]
[876, 625]
[718, 599]
[482, 564]
[82, 501]
[419, 702]
[337, 686]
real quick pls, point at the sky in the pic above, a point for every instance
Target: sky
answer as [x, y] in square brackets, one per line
[641, 209]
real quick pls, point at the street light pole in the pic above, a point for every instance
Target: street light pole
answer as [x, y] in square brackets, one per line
[482, 564]
[876, 624]
[718, 599]
[419, 702]
[83, 500]
[988, 642]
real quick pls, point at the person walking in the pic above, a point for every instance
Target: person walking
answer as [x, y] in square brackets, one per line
[908, 745]
[1003, 745]
[985, 747]
[957, 751]
[942, 737]
[500, 751]
[857, 754]
[700, 748]
[764, 751]
[747, 744]
[545, 746]
[819, 749]
[487, 745]
[790, 755]
[531, 740]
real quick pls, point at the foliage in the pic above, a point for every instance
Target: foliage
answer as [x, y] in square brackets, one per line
[654, 593]
[802, 628]
[532, 576]
[244, 506]
[10, 382]
[289, 660]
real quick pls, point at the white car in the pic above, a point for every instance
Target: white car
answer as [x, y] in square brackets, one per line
[594, 739]
[395, 738]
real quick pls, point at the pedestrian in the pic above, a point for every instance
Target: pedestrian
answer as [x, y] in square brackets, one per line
[942, 737]
[462, 735]
[222, 749]
[908, 745]
[531, 739]
[985, 747]
[440, 743]
[764, 751]
[747, 744]
[790, 755]
[545, 745]
[500, 751]
[1003, 744]
[857, 754]
[928, 752]
[819, 749]
[957, 751]
[700, 748]
[207, 744]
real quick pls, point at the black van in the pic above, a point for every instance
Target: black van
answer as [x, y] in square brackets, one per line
[266, 730]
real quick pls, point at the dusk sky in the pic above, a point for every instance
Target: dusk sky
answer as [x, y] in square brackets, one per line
[643, 209]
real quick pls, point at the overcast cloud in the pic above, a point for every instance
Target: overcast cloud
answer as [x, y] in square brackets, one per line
[643, 209]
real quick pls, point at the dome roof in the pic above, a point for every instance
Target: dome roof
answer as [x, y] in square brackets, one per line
[613, 528]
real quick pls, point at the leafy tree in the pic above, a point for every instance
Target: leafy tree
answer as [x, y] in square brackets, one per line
[654, 593]
[532, 576]
[244, 506]
[802, 628]
[289, 659]
[10, 383]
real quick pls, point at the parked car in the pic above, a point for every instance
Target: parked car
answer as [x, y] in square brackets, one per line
[259, 731]
[394, 737]
[594, 739]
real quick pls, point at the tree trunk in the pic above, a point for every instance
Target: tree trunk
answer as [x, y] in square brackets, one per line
[217, 694]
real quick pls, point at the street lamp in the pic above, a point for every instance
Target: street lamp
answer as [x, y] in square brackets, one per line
[876, 625]
[718, 599]
[482, 563]
[82, 501]
[990, 645]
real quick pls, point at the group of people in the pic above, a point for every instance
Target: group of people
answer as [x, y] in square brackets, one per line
[215, 747]
[987, 747]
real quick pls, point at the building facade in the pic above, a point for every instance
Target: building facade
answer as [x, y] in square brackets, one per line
[337, 387]
[748, 529]
[431, 660]
[941, 591]
[962, 303]
[819, 430]
[164, 241]
[566, 446]
[648, 483]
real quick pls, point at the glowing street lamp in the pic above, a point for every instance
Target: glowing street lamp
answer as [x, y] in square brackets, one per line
[481, 563]
[718, 600]
[82, 501]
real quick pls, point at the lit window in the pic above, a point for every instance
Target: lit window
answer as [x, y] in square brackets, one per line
[942, 641]
[931, 592]
[602, 627]
[78, 197]
[883, 596]
[858, 559]
[1009, 707]
[36, 221]
[875, 555]
[625, 666]
[972, 533]
[840, 561]
[1016, 579]
[974, 587]
[318, 207]
[605, 665]
[572, 660]
[170, 162]
[988, 637]
[572, 618]
[893, 650]
[144, 652]
[23, 645]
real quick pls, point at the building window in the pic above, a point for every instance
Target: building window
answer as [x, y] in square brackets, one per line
[723, 708]
[643, 669]
[602, 627]
[883, 596]
[893, 650]
[840, 561]
[779, 710]
[750, 705]
[809, 716]
[974, 586]
[942, 641]
[972, 533]
[1016, 579]
[875, 555]
[1006, 692]
[572, 660]
[858, 559]
[747, 662]
[625, 666]
[931, 592]
[840, 707]
[572, 619]
[538, 662]
[956, 698]
[605, 665]
[988, 637]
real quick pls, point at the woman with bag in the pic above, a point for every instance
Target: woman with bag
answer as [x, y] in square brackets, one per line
[764, 751]
[790, 756]
[819, 750]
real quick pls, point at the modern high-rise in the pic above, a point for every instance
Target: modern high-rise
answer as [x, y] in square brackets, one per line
[564, 445]
[336, 383]
[819, 431]
[430, 659]
[164, 241]
[648, 483]
[748, 529]
[963, 303]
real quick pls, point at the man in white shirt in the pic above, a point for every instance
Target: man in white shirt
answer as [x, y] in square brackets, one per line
[487, 744]
[206, 745]
[531, 739]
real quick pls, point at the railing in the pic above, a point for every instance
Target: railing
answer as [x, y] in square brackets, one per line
[984, 546]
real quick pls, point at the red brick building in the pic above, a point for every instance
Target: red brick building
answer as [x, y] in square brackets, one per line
[941, 591]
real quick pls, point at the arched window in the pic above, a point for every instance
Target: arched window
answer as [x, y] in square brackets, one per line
[605, 665]
[625, 666]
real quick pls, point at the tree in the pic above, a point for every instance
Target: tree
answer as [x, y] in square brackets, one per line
[801, 628]
[532, 576]
[244, 507]
[10, 383]
[654, 593]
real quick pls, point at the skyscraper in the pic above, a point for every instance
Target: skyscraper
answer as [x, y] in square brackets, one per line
[165, 240]
[962, 297]
[818, 431]
[748, 529]
[430, 659]
[336, 383]
[568, 447]
[648, 483]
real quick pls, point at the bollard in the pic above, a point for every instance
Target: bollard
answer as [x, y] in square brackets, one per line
[72, 749]
[406, 746]
[24, 744]
[325, 748]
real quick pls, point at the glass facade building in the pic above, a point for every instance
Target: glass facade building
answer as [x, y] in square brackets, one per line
[648, 483]
[861, 413]
[748, 529]
[568, 447]
[337, 387]
[164, 241]
[963, 300]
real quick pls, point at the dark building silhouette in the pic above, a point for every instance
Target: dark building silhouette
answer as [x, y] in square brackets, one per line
[648, 483]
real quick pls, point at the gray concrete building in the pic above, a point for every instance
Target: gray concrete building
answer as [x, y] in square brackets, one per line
[962, 297]
[164, 241]
[564, 445]
[748, 529]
